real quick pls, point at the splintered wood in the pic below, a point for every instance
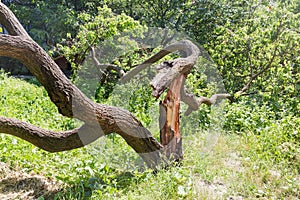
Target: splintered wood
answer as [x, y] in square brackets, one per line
[169, 121]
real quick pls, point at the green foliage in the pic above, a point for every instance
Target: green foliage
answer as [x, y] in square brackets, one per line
[136, 97]
[92, 30]
[30, 103]
[98, 82]
[276, 134]
[154, 13]
[46, 21]
[242, 37]
[27, 102]
[204, 80]
[197, 19]
[244, 116]
[57, 19]
[265, 46]
[280, 142]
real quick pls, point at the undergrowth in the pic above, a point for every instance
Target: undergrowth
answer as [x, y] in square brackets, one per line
[253, 162]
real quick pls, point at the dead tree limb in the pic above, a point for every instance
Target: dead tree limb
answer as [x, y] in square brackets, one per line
[170, 136]
[170, 70]
[108, 67]
[195, 102]
[177, 46]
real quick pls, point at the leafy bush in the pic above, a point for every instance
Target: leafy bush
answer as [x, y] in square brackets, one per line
[280, 142]
[244, 116]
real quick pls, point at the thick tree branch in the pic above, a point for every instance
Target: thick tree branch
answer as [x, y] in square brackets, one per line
[9, 21]
[70, 101]
[178, 46]
[48, 140]
[168, 71]
[59, 88]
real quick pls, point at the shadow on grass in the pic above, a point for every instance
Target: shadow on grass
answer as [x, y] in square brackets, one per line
[39, 188]
[27, 188]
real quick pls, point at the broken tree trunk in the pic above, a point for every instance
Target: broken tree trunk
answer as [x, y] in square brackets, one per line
[169, 121]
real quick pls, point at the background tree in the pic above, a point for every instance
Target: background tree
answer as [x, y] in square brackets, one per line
[253, 43]
[55, 20]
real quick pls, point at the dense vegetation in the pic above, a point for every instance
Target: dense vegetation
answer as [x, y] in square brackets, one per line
[249, 148]
[217, 164]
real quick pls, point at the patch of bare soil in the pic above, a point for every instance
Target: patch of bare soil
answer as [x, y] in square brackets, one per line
[18, 185]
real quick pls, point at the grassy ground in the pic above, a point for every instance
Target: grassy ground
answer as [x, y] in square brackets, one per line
[217, 165]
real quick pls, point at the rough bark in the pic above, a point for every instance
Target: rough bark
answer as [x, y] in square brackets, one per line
[195, 102]
[70, 101]
[170, 70]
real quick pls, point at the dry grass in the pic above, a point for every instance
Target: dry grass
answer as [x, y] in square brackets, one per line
[14, 184]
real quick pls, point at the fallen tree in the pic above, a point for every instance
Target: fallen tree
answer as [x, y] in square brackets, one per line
[100, 120]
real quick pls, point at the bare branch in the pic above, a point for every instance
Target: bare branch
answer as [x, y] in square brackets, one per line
[106, 66]
[253, 77]
[264, 69]
[195, 102]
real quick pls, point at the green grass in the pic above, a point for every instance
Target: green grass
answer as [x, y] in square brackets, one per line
[217, 165]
